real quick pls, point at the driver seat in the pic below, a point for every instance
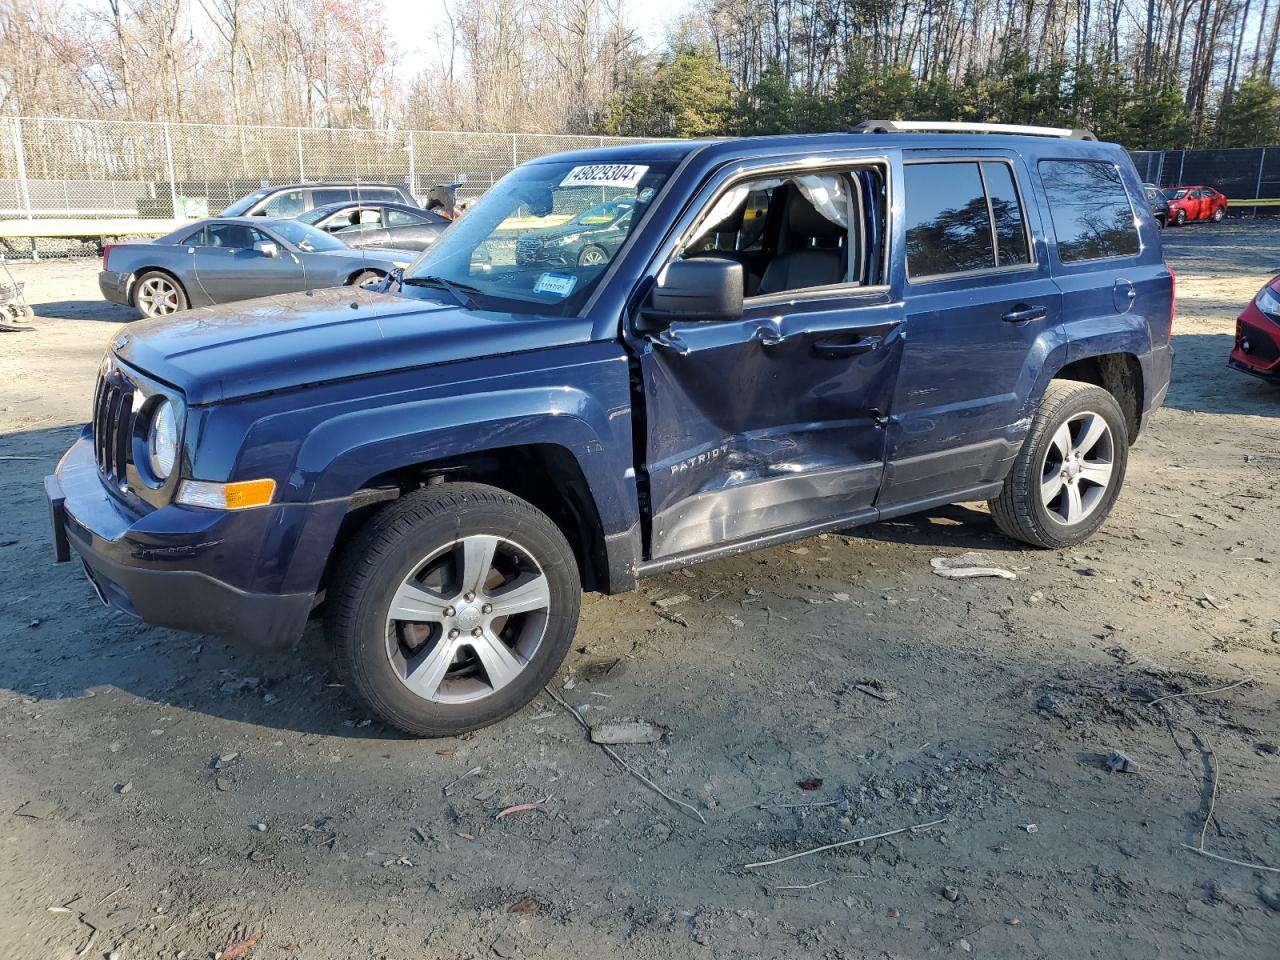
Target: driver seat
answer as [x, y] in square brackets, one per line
[811, 250]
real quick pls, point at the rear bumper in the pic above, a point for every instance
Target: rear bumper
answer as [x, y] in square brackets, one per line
[115, 286]
[246, 575]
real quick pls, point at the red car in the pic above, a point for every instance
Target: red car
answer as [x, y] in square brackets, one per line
[1257, 349]
[1195, 203]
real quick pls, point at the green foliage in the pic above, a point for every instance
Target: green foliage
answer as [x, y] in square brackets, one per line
[687, 94]
[1252, 116]
[691, 94]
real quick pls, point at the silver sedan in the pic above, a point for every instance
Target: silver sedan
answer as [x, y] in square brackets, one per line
[236, 258]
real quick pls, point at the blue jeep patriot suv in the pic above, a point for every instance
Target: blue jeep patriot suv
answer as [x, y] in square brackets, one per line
[797, 334]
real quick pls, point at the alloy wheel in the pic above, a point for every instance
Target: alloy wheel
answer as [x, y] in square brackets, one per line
[467, 619]
[157, 297]
[1077, 468]
[592, 257]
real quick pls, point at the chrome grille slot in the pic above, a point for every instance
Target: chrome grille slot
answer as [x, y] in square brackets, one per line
[112, 425]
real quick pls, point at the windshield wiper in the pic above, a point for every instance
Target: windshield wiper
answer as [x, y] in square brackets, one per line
[459, 291]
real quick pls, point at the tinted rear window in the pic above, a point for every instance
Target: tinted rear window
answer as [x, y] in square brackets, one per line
[1092, 217]
[948, 230]
[328, 195]
[963, 217]
[378, 193]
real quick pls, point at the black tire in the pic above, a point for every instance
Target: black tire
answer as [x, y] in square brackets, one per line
[389, 548]
[1019, 511]
[1180, 218]
[593, 255]
[143, 284]
[1219, 215]
[367, 278]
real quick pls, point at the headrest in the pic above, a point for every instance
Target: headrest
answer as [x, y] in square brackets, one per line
[803, 219]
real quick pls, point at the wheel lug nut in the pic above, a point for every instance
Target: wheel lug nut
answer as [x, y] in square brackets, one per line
[476, 632]
[449, 611]
[453, 634]
[469, 597]
[487, 608]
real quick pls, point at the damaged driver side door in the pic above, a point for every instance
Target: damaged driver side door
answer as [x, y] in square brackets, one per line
[773, 422]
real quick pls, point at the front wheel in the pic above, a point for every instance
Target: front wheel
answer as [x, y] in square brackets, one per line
[368, 279]
[592, 256]
[1181, 218]
[452, 608]
[1069, 471]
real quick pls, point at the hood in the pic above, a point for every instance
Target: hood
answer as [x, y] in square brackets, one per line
[278, 343]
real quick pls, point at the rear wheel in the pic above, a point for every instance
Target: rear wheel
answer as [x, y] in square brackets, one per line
[453, 608]
[1069, 471]
[367, 278]
[156, 294]
[1219, 214]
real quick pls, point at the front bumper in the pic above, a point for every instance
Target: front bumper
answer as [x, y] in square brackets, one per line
[115, 286]
[1257, 345]
[247, 575]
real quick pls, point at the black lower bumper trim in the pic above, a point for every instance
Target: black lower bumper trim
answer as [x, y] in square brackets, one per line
[58, 517]
[1260, 374]
[191, 601]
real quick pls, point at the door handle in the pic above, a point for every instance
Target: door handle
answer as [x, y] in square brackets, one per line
[838, 348]
[1022, 313]
[767, 336]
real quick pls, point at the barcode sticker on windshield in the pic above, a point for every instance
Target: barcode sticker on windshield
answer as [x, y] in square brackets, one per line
[604, 175]
[557, 284]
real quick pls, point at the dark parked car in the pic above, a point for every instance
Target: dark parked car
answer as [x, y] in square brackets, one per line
[1257, 345]
[378, 224]
[295, 198]
[1195, 203]
[1159, 205]
[588, 239]
[221, 260]
[798, 334]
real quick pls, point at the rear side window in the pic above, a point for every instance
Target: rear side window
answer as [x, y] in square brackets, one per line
[403, 218]
[329, 195]
[963, 217]
[375, 193]
[1092, 217]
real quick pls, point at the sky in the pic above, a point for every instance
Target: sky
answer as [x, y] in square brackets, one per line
[649, 18]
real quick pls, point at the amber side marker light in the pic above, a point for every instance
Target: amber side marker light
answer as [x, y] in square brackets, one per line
[226, 496]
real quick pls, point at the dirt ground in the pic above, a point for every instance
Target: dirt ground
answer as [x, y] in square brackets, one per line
[334, 837]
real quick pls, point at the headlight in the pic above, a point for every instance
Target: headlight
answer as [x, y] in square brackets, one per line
[1268, 302]
[569, 238]
[162, 440]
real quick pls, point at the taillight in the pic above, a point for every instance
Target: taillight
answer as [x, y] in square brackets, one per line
[106, 254]
[1173, 301]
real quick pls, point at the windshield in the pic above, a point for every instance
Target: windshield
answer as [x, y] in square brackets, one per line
[317, 214]
[244, 204]
[306, 238]
[516, 248]
[1175, 193]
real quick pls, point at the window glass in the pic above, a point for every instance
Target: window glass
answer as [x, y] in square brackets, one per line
[948, 228]
[516, 248]
[1006, 212]
[233, 236]
[378, 193]
[195, 239]
[330, 195]
[403, 218]
[287, 204]
[307, 238]
[1090, 208]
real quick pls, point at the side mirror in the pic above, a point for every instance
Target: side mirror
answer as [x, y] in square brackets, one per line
[266, 248]
[705, 289]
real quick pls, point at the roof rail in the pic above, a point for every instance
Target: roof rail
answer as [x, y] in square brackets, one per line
[946, 126]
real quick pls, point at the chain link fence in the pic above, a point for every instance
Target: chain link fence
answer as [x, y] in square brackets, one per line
[1249, 176]
[59, 171]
